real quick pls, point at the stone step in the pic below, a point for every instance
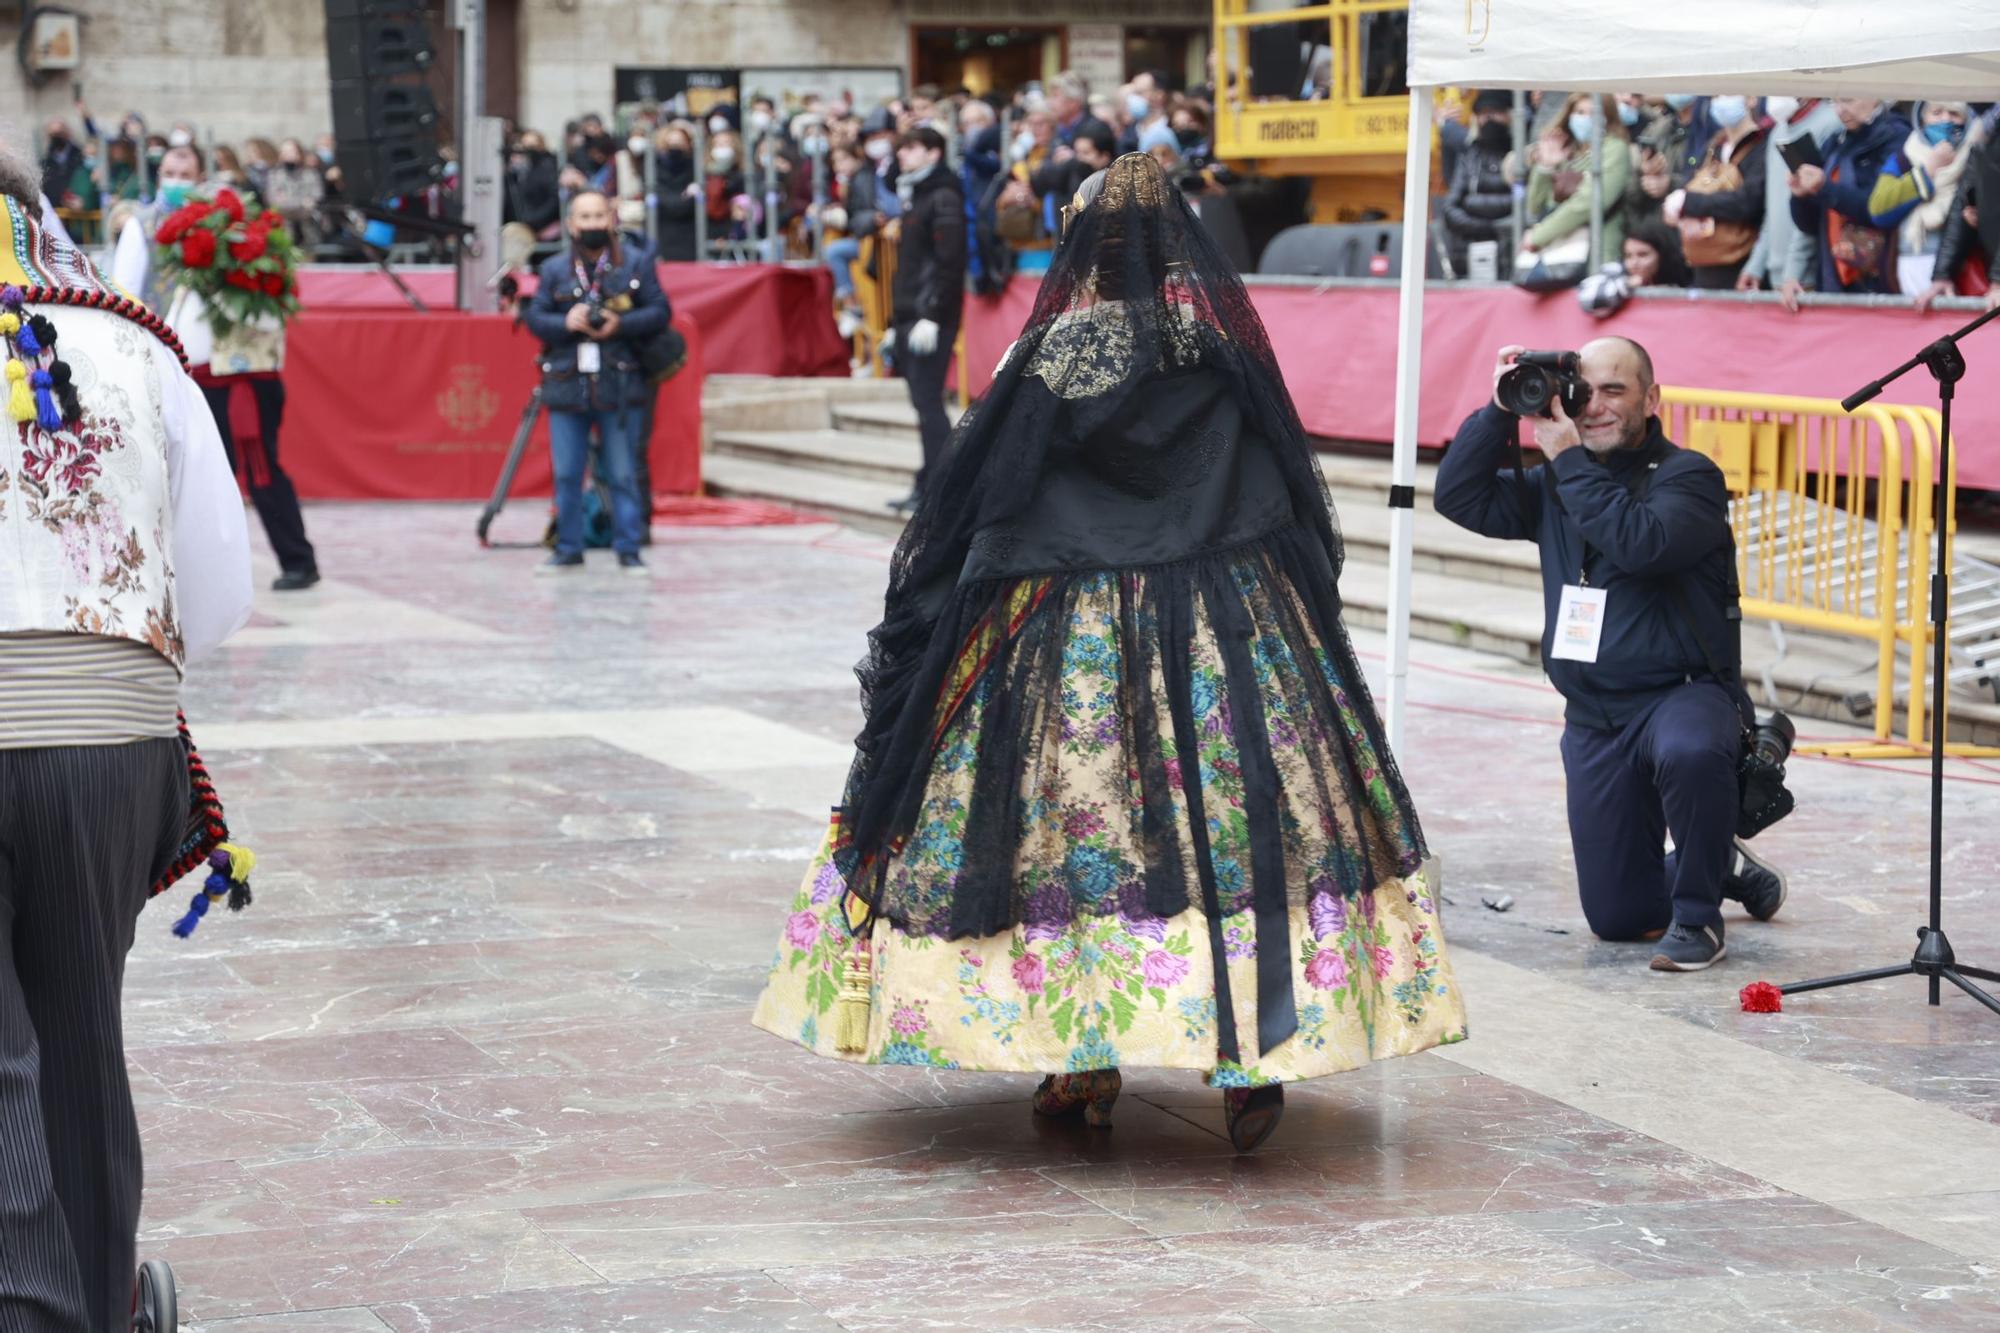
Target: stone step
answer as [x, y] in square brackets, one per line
[889, 461]
[859, 501]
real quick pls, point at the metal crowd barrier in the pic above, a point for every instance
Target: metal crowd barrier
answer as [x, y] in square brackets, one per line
[1835, 525]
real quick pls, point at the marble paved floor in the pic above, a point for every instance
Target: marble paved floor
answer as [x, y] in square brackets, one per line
[479, 1058]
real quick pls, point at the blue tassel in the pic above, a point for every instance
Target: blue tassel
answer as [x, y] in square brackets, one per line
[197, 909]
[47, 414]
[27, 343]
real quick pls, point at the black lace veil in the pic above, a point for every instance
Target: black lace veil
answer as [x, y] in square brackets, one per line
[1137, 292]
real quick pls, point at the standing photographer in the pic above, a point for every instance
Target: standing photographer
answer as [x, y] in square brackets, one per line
[596, 304]
[1639, 591]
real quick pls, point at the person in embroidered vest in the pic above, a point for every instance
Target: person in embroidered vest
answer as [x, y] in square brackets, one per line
[256, 360]
[1121, 798]
[127, 558]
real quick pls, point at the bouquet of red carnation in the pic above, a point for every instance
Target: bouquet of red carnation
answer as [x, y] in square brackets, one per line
[237, 256]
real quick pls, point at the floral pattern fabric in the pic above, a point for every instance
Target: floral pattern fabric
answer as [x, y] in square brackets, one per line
[1371, 976]
[87, 507]
[1089, 978]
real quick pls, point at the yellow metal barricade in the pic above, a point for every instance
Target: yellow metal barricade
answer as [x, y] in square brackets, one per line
[1834, 523]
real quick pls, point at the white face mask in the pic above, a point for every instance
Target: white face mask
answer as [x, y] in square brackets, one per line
[636, 146]
[878, 150]
[1024, 144]
[760, 121]
[718, 124]
[179, 139]
[724, 156]
[1137, 106]
[1781, 109]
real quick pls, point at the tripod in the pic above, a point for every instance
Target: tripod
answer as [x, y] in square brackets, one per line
[522, 435]
[1933, 960]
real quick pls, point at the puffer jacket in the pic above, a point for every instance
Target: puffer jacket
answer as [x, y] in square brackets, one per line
[630, 287]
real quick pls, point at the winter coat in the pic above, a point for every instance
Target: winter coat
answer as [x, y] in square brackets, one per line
[1909, 193]
[533, 196]
[631, 287]
[1648, 521]
[1853, 161]
[930, 257]
[1479, 202]
[1555, 222]
[1770, 256]
[674, 214]
[1959, 240]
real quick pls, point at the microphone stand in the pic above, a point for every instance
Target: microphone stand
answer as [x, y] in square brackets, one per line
[1933, 960]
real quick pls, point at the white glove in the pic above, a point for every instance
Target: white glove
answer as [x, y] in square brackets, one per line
[923, 337]
[888, 342]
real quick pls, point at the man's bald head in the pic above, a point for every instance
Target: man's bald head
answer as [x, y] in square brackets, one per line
[1623, 394]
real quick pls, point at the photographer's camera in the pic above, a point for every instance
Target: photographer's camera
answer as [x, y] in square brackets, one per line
[1538, 379]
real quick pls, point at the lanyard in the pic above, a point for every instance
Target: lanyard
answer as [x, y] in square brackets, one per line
[589, 281]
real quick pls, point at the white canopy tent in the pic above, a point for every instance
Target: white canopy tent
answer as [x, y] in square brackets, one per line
[1815, 48]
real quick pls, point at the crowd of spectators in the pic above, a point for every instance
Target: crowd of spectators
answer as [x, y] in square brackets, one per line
[817, 175]
[1710, 192]
[1722, 192]
[98, 175]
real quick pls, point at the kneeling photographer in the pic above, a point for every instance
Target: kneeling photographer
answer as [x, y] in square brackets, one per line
[1641, 638]
[597, 311]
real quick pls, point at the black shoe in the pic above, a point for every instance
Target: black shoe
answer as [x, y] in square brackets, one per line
[906, 505]
[293, 580]
[1690, 948]
[559, 564]
[632, 564]
[1759, 887]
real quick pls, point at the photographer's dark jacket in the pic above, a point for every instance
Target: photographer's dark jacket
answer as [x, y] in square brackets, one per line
[1646, 520]
[631, 287]
[930, 260]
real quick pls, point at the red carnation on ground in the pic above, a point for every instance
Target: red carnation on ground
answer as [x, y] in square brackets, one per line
[198, 248]
[249, 248]
[231, 203]
[1761, 997]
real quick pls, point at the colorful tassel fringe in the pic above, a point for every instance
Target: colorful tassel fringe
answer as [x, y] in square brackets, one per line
[228, 880]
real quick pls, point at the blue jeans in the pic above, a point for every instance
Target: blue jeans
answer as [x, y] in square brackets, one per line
[569, 446]
[840, 257]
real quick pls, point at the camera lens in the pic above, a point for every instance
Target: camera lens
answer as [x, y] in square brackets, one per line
[1774, 736]
[1526, 390]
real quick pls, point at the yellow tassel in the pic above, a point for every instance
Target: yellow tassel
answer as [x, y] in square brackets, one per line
[241, 860]
[20, 399]
[10, 324]
[851, 1010]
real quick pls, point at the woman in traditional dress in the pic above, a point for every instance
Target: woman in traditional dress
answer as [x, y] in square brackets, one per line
[1121, 797]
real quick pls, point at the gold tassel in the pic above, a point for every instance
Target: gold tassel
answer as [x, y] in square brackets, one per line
[851, 1011]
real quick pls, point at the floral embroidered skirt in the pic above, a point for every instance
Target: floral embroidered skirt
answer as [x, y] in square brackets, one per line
[1116, 985]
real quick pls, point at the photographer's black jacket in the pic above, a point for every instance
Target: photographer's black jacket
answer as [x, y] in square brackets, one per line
[1643, 535]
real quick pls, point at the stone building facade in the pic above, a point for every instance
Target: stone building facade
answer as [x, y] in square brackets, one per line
[243, 67]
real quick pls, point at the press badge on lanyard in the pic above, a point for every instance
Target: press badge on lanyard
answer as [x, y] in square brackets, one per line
[1579, 622]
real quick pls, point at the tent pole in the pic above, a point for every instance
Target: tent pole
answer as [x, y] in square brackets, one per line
[1409, 374]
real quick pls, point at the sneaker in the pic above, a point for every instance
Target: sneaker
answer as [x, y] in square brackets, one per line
[559, 564]
[1690, 948]
[632, 564]
[1759, 887]
[849, 323]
